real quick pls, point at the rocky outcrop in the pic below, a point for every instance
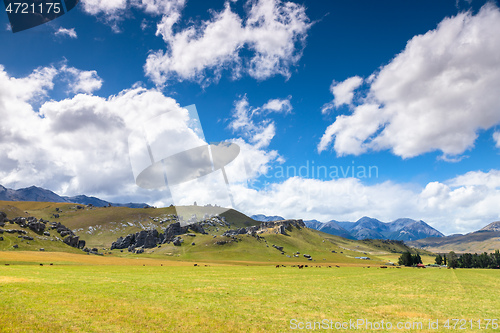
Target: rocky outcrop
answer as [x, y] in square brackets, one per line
[3, 219]
[62, 229]
[74, 241]
[31, 222]
[280, 226]
[39, 226]
[147, 239]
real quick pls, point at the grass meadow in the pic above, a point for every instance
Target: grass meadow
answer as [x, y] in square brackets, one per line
[87, 294]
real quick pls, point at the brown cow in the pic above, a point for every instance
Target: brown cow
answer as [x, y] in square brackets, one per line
[301, 266]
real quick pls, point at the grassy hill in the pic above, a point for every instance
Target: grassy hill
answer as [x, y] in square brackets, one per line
[323, 248]
[100, 227]
[49, 243]
[474, 242]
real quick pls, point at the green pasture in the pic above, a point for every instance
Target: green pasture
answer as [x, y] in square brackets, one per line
[154, 298]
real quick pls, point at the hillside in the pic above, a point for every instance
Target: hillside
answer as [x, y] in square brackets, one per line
[486, 239]
[100, 227]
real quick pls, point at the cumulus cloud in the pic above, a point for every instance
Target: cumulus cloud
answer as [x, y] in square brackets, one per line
[159, 7]
[255, 134]
[496, 137]
[115, 11]
[111, 11]
[63, 32]
[79, 145]
[437, 94]
[343, 93]
[464, 204]
[259, 134]
[278, 105]
[75, 145]
[273, 32]
[82, 81]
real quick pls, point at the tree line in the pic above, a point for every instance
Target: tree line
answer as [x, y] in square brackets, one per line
[468, 260]
[408, 259]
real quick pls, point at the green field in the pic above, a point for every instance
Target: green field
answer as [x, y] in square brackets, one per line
[234, 287]
[130, 297]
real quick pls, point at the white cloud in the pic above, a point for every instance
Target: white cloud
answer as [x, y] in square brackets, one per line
[111, 11]
[273, 31]
[259, 134]
[82, 81]
[255, 136]
[115, 11]
[460, 205]
[437, 94]
[106, 7]
[63, 32]
[343, 92]
[79, 145]
[159, 7]
[350, 132]
[76, 145]
[496, 137]
[278, 105]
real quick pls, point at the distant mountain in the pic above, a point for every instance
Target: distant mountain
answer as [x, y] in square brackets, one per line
[366, 227]
[486, 239]
[31, 193]
[314, 224]
[34, 193]
[334, 228]
[415, 230]
[331, 228]
[264, 218]
[346, 225]
[494, 226]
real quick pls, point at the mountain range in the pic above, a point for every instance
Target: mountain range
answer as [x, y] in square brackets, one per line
[34, 193]
[404, 229]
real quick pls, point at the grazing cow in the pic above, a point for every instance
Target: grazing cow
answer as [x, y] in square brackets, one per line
[277, 266]
[383, 266]
[301, 266]
[337, 266]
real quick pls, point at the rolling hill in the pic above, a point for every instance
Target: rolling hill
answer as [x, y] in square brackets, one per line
[100, 227]
[486, 239]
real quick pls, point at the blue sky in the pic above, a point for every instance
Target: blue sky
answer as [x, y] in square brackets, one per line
[405, 87]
